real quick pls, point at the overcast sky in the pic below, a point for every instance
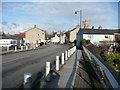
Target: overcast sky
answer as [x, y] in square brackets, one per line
[56, 16]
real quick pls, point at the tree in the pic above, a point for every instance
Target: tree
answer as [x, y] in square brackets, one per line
[3, 34]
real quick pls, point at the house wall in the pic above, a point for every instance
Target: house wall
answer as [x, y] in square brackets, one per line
[34, 34]
[55, 39]
[73, 35]
[95, 39]
[62, 39]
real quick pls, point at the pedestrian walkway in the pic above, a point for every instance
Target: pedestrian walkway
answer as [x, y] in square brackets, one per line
[85, 75]
[65, 77]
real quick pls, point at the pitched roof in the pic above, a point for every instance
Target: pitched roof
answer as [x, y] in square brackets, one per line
[34, 28]
[100, 31]
[21, 34]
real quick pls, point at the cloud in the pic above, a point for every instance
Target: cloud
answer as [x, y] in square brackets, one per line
[57, 16]
[60, 0]
[49, 27]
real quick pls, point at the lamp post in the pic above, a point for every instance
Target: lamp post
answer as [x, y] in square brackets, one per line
[80, 17]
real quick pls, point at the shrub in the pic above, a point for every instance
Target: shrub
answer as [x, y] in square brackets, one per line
[114, 60]
[118, 49]
[85, 42]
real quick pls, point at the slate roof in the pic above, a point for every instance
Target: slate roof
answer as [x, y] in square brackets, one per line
[100, 31]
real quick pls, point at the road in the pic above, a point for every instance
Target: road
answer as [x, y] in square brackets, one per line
[14, 66]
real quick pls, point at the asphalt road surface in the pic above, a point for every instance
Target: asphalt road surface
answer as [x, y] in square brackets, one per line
[14, 66]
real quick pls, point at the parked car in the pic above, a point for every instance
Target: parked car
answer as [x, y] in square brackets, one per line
[12, 47]
[42, 43]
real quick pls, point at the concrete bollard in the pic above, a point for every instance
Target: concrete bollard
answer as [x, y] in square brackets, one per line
[66, 55]
[63, 58]
[47, 74]
[70, 52]
[21, 48]
[57, 63]
[7, 48]
[20, 42]
[31, 47]
[15, 48]
[34, 46]
[27, 80]
[26, 47]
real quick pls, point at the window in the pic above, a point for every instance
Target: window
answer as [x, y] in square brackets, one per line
[116, 37]
[106, 36]
[37, 34]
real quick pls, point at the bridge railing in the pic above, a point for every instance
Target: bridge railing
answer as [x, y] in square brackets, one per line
[104, 74]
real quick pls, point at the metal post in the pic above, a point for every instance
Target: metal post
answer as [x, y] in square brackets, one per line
[66, 55]
[80, 19]
[47, 71]
[57, 63]
[27, 80]
[62, 58]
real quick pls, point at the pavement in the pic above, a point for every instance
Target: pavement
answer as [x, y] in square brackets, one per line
[85, 75]
[15, 65]
[18, 50]
[65, 77]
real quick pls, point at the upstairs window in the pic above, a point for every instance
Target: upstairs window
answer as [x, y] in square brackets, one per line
[107, 36]
[116, 37]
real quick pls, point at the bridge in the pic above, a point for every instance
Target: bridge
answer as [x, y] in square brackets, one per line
[72, 68]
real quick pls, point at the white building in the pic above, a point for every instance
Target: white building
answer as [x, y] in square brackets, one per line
[97, 36]
[55, 39]
[58, 38]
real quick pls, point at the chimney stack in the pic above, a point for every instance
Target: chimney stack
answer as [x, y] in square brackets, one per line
[92, 27]
[34, 26]
[100, 27]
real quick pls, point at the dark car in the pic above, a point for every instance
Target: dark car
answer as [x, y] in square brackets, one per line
[12, 47]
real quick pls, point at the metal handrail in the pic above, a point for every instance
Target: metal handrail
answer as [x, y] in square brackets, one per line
[106, 71]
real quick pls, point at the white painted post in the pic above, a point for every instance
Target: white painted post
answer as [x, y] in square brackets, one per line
[57, 63]
[27, 80]
[34, 46]
[62, 58]
[20, 42]
[66, 55]
[15, 48]
[70, 52]
[21, 48]
[47, 74]
[7, 48]
[26, 47]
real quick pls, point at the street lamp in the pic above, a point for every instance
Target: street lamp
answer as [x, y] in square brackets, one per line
[80, 17]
